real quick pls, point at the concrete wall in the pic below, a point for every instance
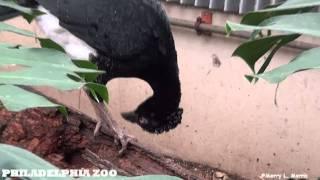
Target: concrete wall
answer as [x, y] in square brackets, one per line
[229, 123]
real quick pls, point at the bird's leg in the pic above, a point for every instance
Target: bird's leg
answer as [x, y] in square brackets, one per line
[107, 120]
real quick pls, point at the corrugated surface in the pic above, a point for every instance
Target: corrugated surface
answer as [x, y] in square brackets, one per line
[235, 6]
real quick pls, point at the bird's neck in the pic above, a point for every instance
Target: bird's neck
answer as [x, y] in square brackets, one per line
[166, 94]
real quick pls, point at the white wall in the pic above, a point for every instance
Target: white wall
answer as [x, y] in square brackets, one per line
[229, 123]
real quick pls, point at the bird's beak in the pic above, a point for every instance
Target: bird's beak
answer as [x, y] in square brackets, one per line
[130, 116]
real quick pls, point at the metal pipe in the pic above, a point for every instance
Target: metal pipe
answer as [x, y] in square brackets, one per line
[221, 30]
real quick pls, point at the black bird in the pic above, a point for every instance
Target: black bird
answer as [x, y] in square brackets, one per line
[132, 39]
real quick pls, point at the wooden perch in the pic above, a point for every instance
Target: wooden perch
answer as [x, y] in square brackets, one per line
[80, 149]
[138, 160]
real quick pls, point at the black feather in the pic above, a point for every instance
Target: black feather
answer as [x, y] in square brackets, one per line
[133, 39]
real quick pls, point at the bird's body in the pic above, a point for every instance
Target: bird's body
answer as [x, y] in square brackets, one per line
[132, 38]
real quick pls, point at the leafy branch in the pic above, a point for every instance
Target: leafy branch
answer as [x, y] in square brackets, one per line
[45, 66]
[290, 20]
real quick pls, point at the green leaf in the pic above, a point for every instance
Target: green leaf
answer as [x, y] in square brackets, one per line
[289, 7]
[292, 18]
[9, 28]
[269, 58]
[41, 76]
[89, 77]
[267, 61]
[15, 98]
[293, 4]
[36, 57]
[28, 13]
[94, 95]
[48, 43]
[84, 64]
[17, 158]
[305, 61]
[46, 67]
[253, 50]
[63, 110]
[100, 90]
[14, 5]
[306, 23]
[41, 67]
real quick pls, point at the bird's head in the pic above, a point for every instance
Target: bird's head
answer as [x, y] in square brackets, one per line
[160, 112]
[151, 117]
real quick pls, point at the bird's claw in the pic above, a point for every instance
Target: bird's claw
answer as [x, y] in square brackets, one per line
[97, 129]
[123, 140]
[120, 139]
